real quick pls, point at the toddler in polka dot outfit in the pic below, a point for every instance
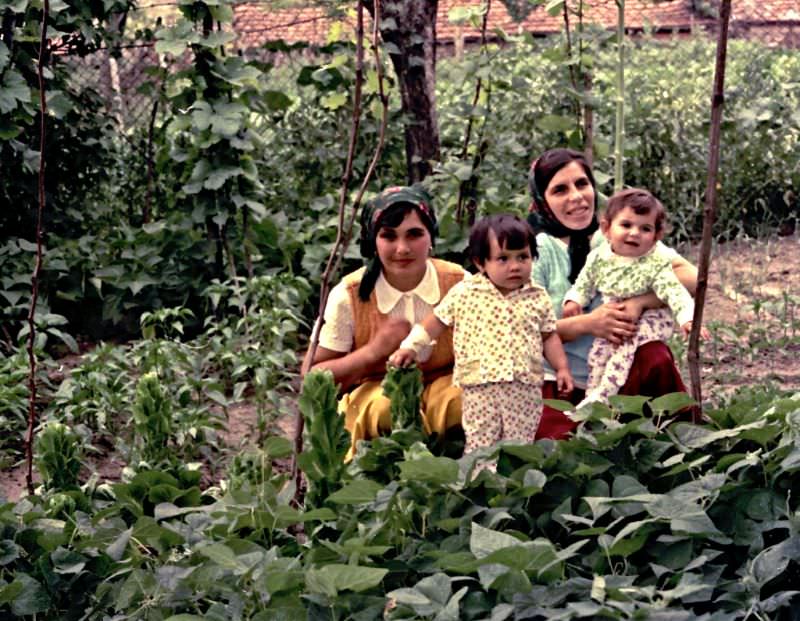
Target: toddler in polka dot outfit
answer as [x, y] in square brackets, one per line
[625, 265]
[502, 325]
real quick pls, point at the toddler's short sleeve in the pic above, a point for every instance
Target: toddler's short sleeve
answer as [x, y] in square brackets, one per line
[447, 309]
[548, 314]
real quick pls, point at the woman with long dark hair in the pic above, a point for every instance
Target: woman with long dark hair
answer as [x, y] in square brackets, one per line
[372, 310]
[563, 212]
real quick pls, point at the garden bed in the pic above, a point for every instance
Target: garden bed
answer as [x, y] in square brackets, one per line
[752, 309]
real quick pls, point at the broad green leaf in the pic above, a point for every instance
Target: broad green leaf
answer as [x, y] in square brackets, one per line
[175, 47]
[356, 492]
[463, 172]
[217, 38]
[671, 403]
[13, 90]
[10, 592]
[695, 436]
[65, 338]
[436, 470]
[277, 100]
[67, 561]
[217, 178]
[334, 101]
[334, 578]
[15, 6]
[116, 550]
[4, 55]
[9, 551]
[32, 599]
[228, 118]
[628, 404]
[533, 482]
[201, 120]
[278, 447]
[223, 556]
[9, 129]
[411, 597]
[484, 541]
[629, 545]
[58, 104]
[696, 524]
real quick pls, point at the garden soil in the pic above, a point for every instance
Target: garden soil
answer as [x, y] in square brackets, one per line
[752, 309]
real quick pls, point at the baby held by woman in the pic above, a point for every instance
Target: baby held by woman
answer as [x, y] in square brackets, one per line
[622, 267]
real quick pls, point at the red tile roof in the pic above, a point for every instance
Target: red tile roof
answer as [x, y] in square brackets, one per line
[256, 22]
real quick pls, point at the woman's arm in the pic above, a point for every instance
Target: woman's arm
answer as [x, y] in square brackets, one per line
[350, 367]
[609, 321]
[686, 273]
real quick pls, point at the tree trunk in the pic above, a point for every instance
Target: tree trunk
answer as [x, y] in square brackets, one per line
[408, 28]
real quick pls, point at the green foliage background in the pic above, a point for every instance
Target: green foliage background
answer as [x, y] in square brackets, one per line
[630, 519]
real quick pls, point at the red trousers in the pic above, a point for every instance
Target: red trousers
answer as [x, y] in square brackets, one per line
[653, 374]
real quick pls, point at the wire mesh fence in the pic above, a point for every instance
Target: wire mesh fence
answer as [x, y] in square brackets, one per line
[126, 77]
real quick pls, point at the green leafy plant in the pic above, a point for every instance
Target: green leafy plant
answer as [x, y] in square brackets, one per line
[325, 439]
[13, 403]
[152, 420]
[98, 392]
[58, 456]
[403, 387]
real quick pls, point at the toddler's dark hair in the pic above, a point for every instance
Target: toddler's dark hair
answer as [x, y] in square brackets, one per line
[640, 201]
[512, 233]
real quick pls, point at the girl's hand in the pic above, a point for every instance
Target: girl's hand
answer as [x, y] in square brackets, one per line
[403, 358]
[687, 328]
[564, 382]
[571, 309]
[612, 322]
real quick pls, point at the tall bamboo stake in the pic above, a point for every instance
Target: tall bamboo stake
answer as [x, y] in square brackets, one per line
[345, 230]
[32, 417]
[710, 210]
[619, 143]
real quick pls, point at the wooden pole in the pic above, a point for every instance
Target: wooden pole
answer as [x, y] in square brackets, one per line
[32, 414]
[710, 210]
[345, 230]
[619, 141]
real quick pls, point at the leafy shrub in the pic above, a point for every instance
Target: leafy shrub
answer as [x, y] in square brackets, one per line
[98, 392]
[58, 456]
[152, 418]
[529, 108]
[14, 396]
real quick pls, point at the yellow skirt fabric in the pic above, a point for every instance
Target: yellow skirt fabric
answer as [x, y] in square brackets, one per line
[366, 410]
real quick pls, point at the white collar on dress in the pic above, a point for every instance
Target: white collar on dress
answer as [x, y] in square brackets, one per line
[428, 290]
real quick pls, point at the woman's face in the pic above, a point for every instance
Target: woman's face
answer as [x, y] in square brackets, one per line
[403, 251]
[570, 196]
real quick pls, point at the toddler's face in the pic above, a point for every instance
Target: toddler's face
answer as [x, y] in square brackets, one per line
[631, 234]
[507, 269]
